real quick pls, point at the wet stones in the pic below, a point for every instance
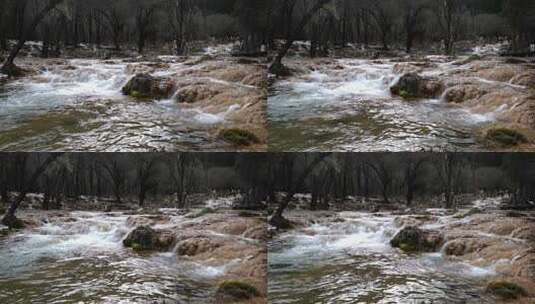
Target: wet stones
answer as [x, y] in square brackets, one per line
[145, 86]
[144, 238]
[524, 264]
[526, 79]
[412, 85]
[413, 239]
[196, 245]
[463, 246]
[195, 93]
[462, 93]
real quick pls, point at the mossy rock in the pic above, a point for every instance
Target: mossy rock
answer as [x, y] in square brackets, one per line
[412, 239]
[236, 290]
[506, 137]
[239, 137]
[506, 290]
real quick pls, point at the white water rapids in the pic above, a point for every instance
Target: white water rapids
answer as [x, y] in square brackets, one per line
[78, 106]
[79, 258]
[348, 107]
[351, 261]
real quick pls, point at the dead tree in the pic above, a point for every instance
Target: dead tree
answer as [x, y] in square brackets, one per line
[144, 178]
[182, 172]
[116, 175]
[179, 13]
[276, 66]
[9, 67]
[144, 18]
[277, 218]
[9, 218]
[448, 13]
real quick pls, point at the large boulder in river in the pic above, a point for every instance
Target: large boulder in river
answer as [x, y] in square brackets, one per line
[413, 239]
[412, 85]
[144, 238]
[145, 86]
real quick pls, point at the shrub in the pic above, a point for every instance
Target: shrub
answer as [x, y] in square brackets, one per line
[506, 137]
[506, 290]
[239, 137]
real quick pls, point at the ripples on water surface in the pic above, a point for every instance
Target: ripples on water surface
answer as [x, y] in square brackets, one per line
[352, 262]
[84, 262]
[80, 108]
[352, 110]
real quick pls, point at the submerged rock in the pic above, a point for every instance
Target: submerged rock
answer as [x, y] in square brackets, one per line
[146, 86]
[412, 85]
[413, 239]
[144, 238]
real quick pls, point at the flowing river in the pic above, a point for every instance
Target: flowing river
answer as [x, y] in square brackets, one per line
[79, 258]
[351, 261]
[347, 106]
[78, 106]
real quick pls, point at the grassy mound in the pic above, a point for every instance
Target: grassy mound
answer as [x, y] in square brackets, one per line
[506, 290]
[239, 137]
[237, 290]
[506, 137]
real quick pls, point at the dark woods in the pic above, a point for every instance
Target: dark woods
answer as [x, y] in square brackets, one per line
[406, 178]
[129, 24]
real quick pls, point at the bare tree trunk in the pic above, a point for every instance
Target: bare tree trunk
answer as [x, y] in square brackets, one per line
[276, 66]
[9, 218]
[9, 67]
[277, 219]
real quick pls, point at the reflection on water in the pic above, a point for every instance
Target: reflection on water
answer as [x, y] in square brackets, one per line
[79, 107]
[352, 262]
[352, 110]
[81, 258]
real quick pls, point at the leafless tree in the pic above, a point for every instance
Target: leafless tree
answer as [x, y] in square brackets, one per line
[26, 31]
[9, 218]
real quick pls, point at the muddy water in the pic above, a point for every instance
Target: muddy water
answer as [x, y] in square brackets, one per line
[352, 262]
[80, 259]
[79, 107]
[347, 106]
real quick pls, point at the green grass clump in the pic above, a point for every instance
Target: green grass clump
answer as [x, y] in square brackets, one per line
[408, 248]
[405, 95]
[202, 212]
[237, 290]
[239, 137]
[506, 137]
[506, 290]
